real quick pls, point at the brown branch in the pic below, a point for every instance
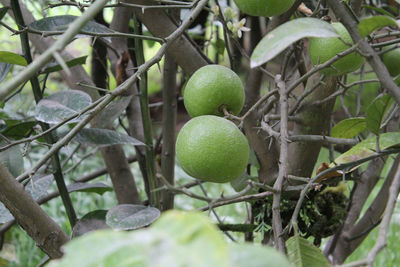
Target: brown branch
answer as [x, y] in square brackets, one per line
[120, 23]
[372, 57]
[283, 168]
[220, 203]
[266, 152]
[5, 227]
[38, 225]
[361, 191]
[353, 236]
[384, 227]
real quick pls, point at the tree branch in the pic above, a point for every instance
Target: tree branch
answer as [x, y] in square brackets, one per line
[33, 68]
[38, 225]
[384, 227]
[372, 57]
[283, 168]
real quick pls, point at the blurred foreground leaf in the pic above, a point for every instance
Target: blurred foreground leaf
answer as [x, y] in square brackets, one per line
[176, 239]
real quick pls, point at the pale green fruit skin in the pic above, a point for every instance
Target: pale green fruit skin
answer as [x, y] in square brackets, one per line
[391, 60]
[212, 87]
[264, 8]
[323, 49]
[212, 149]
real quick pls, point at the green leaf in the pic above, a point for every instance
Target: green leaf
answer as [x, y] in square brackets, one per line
[4, 70]
[54, 66]
[108, 115]
[368, 93]
[12, 58]
[219, 46]
[131, 217]
[175, 239]
[38, 185]
[150, 43]
[98, 188]
[187, 226]
[379, 10]
[286, 34]
[18, 129]
[12, 159]
[3, 114]
[368, 147]
[3, 12]
[349, 128]
[61, 23]
[197, 235]
[104, 137]
[369, 25]
[240, 183]
[61, 105]
[94, 220]
[302, 253]
[256, 256]
[376, 112]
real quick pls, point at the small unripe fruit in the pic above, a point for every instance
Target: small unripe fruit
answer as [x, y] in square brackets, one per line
[391, 60]
[264, 8]
[212, 88]
[323, 49]
[212, 149]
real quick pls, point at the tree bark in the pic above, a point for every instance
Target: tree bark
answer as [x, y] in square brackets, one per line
[315, 120]
[37, 224]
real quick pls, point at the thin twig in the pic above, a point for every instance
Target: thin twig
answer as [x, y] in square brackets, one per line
[33, 68]
[343, 166]
[384, 226]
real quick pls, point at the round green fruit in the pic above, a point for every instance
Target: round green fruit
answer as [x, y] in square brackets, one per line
[210, 89]
[323, 49]
[391, 59]
[264, 8]
[212, 149]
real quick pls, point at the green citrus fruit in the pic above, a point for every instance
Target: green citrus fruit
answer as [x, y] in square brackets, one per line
[264, 8]
[212, 149]
[391, 60]
[323, 49]
[211, 88]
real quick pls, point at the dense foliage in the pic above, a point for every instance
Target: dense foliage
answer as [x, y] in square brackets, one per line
[92, 98]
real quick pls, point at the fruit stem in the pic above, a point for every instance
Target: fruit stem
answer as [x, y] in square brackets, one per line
[228, 115]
